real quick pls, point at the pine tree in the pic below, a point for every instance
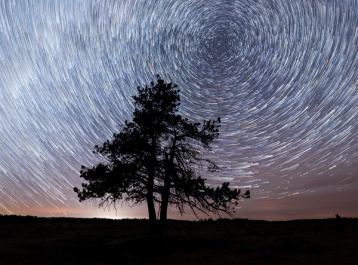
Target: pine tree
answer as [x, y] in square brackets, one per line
[155, 159]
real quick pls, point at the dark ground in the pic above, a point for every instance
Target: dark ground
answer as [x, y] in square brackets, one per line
[67, 241]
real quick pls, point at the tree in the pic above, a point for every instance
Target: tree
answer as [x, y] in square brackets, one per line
[183, 185]
[157, 158]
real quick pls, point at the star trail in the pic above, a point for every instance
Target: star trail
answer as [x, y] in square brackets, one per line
[282, 75]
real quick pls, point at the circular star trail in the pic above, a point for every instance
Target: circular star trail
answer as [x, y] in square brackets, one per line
[282, 75]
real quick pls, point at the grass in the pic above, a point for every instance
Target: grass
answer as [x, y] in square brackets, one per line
[67, 241]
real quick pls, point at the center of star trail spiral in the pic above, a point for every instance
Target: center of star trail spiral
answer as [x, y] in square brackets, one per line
[282, 75]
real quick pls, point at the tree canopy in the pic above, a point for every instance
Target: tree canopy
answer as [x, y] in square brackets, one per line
[157, 158]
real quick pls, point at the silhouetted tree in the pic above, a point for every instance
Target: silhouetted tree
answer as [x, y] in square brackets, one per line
[182, 184]
[157, 158]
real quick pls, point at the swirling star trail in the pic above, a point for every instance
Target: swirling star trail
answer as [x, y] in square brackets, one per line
[282, 75]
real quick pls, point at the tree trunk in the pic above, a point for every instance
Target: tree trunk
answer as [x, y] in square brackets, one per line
[165, 200]
[167, 179]
[150, 187]
[150, 201]
[151, 209]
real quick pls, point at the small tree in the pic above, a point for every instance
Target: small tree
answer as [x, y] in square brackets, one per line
[155, 158]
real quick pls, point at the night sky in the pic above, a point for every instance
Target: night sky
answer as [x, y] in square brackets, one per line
[281, 74]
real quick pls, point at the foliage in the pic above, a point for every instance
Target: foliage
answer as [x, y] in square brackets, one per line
[156, 157]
